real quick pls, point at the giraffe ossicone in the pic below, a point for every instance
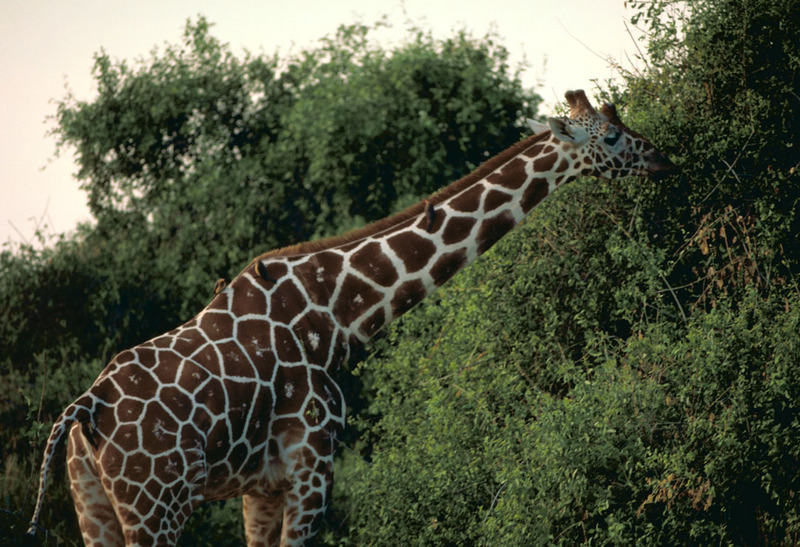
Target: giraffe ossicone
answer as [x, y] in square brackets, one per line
[243, 400]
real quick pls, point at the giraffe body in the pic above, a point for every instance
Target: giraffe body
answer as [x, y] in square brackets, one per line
[242, 400]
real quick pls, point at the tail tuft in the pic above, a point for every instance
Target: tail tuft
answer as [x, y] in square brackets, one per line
[80, 410]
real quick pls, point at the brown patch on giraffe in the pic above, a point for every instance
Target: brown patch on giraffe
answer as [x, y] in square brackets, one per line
[126, 436]
[258, 426]
[536, 150]
[408, 295]
[322, 443]
[163, 341]
[492, 229]
[285, 345]
[341, 350]
[217, 325]
[104, 424]
[208, 358]
[146, 356]
[413, 249]
[240, 401]
[325, 389]
[457, 229]
[124, 357]
[254, 335]
[286, 302]
[447, 266]
[468, 201]
[128, 410]
[192, 376]
[355, 296]
[315, 330]
[107, 391]
[212, 396]
[545, 163]
[313, 501]
[169, 467]
[535, 192]
[177, 401]
[187, 341]
[494, 199]
[237, 457]
[235, 361]
[373, 323]
[166, 369]
[563, 165]
[159, 428]
[247, 298]
[319, 275]
[253, 465]
[305, 459]
[191, 431]
[137, 467]
[143, 506]
[370, 261]
[124, 491]
[218, 442]
[512, 175]
[291, 389]
[134, 379]
[111, 461]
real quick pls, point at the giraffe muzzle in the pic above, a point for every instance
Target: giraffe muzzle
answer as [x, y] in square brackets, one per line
[660, 166]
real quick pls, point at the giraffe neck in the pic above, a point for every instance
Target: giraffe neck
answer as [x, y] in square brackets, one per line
[420, 254]
[374, 275]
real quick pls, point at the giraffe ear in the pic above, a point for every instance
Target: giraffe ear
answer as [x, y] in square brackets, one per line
[536, 127]
[565, 131]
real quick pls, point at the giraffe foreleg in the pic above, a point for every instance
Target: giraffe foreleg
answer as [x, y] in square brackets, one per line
[263, 518]
[307, 498]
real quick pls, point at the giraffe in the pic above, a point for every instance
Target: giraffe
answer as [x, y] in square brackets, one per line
[243, 400]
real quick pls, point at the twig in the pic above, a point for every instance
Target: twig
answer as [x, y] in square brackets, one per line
[730, 169]
[44, 386]
[635, 43]
[494, 500]
[658, 270]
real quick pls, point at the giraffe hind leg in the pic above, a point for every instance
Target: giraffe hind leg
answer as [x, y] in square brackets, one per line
[145, 501]
[96, 515]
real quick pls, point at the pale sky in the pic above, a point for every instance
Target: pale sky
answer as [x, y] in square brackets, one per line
[47, 46]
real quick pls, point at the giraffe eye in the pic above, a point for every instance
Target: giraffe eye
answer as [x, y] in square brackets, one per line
[612, 139]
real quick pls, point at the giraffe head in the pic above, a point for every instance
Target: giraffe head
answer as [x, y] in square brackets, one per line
[604, 146]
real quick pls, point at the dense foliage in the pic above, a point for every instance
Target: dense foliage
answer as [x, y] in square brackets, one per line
[621, 369]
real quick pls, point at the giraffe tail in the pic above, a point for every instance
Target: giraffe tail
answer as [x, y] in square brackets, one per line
[80, 410]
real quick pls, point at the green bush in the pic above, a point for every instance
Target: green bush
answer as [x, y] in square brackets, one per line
[623, 367]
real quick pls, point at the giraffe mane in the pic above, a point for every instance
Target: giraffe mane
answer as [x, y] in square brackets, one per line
[412, 211]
